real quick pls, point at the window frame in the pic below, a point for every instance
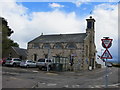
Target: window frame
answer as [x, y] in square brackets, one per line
[58, 46]
[74, 46]
[44, 46]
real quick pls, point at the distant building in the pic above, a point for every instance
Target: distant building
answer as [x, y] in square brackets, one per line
[16, 52]
[78, 48]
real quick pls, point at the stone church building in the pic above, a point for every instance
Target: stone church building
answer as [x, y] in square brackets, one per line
[78, 49]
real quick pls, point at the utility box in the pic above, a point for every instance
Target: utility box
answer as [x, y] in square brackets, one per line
[58, 67]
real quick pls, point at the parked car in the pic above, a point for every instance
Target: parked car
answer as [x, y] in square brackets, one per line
[3, 61]
[13, 62]
[42, 64]
[28, 63]
[109, 65]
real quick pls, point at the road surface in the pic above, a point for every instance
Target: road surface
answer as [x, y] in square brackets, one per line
[16, 77]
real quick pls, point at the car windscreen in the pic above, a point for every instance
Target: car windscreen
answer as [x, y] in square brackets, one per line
[17, 60]
[29, 61]
[9, 59]
[41, 60]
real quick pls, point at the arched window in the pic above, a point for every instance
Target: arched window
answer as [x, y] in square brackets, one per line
[36, 45]
[86, 50]
[46, 45]
[58, 46]
[71, 46]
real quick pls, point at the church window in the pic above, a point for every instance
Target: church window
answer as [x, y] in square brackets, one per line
[71, 46]
[36, 45]
[46, 45]
[89, 25]
[58, 46]
[86, 50]
[93, 39]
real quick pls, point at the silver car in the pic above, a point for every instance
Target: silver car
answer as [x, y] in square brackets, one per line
[28, 63]
[42, 64]
[13, 62]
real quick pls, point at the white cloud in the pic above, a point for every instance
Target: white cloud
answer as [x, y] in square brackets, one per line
[106, 17]
[55, 5]
[106, 21]
[41, 22]
[78, 3]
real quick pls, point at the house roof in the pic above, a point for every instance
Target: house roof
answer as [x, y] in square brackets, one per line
[20, 51]
[78, 37]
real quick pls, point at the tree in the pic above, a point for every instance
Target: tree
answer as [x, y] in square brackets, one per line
[6, 41]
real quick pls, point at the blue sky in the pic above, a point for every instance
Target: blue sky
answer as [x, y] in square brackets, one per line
[61, 17]
[82, 10]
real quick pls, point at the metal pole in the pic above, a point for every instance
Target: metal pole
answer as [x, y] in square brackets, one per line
[48, 61]
[106, 77]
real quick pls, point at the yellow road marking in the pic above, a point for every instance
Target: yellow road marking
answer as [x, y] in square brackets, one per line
[51, 73]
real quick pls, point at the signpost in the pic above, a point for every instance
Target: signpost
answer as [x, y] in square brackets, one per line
[106, 55]
[106, 43]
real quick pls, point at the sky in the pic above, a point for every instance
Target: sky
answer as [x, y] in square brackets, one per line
[29, 19]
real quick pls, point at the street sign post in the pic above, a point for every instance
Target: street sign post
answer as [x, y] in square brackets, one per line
[106, 43]
[106, 55]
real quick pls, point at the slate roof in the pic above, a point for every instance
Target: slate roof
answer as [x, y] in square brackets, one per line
[20, 51]
[78, 37]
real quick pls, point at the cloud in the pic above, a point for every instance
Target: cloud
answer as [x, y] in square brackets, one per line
[28, 26]
[78, 3]
[55, 5]
[40, 22]
[106, 16]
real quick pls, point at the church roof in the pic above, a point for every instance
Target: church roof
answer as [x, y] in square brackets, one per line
[20, 51]
[78, 37]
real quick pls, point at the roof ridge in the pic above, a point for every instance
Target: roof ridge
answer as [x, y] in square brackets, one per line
[77, 37]
[63, 34]
[18, 47]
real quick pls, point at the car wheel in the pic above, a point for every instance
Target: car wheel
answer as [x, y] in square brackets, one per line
[14, 64]
[50, 67]
[40, 68]
[27, 66]
[21, 66]
[2, 64]
[45, 68]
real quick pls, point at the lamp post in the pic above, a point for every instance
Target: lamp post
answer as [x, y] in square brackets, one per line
[48, 60]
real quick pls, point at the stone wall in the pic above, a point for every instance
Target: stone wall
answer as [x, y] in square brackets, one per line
[78, 53]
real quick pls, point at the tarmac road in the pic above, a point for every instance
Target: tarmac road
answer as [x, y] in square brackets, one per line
[15, 77]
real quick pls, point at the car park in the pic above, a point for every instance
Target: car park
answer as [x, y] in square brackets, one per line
[28, 63]
[43, 64]
[13, 62]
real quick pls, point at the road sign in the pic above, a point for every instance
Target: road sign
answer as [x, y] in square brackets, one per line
[106, 43]
[106, 55]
